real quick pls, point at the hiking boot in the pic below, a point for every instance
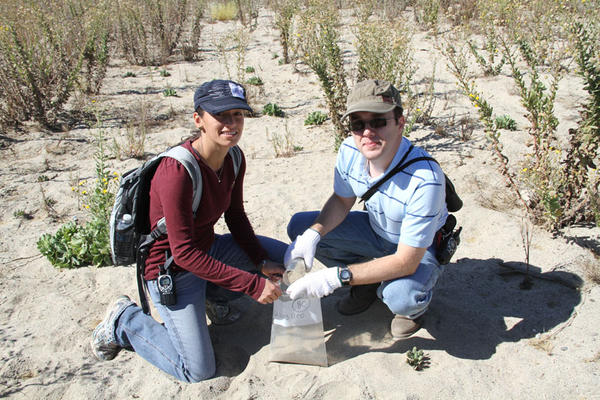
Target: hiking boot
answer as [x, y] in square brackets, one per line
[222, 313]
[403, 327]
[104, 344]
[358, 300]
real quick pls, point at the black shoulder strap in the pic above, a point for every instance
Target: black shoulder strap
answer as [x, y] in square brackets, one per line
[399, 167]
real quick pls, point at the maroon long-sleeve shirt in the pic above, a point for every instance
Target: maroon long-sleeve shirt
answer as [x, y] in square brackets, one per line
[189, 238]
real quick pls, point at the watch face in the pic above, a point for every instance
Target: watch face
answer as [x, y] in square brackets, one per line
[345, 275]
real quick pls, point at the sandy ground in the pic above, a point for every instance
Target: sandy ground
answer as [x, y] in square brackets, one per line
[484, 336]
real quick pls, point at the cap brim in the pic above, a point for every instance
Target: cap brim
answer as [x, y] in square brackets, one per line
[215, 106]
[379, 108]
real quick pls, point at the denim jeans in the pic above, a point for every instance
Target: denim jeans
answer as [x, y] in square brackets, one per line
[354, 241]
[181, 346]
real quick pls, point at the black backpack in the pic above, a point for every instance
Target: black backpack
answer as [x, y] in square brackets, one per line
[446, 239]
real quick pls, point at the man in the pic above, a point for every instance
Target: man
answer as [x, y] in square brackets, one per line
[385, 251]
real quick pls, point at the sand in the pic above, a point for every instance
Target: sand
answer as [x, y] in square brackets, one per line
[485, 337]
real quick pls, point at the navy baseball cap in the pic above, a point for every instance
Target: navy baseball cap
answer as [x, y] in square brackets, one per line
[220, 95]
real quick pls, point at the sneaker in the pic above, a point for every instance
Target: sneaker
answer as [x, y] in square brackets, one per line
[222, 313]
[358, 300]
[403, 327]
[104, 344]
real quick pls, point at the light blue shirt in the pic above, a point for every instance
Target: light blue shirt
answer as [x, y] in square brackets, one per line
[410, 207]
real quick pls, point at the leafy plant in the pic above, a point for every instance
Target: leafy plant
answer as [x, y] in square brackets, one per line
[22, 214]
[317, 43]
[129, 74]
[75, 245]
[285, 10]
[315, 118]
[250, 69]
[273, 110]
[43, 178]
[505, 122]
[170, 92]
[254, 80]
[164, 73]
[490, 65]
[417, 359]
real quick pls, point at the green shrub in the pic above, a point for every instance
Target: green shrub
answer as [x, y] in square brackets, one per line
[317, 43]
[254, 80]
[315, 118]
[75, 245]
[505, 122]
[272, 110]
[250, 70]
[170, 92]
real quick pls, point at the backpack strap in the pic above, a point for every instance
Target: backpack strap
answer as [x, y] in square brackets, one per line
[399, 167]
[236, 156]
[187, 159]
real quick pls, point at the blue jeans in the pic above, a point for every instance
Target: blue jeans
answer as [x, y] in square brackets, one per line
[181, 346]
[354, 241]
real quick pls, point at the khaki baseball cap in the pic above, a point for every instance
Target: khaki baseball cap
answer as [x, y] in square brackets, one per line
[373, 96]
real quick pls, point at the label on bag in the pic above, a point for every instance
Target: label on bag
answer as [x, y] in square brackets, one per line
[299, 312]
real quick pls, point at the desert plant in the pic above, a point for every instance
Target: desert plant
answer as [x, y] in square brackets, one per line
[490, 65]
[581, 179]
[148, 31]
[505, 122]
[283, 144]
[226, 11]
[541, 171]
[254, 80]
[135, 135]
[458, 65]
[43, 47]
[417, 359]
[75, 245]
[170, 92]
[248, 13]
[315, 118]
[317, 43]
[191, 40]
[233, 48]
[272, 110]
[285, 11]
[427, 12]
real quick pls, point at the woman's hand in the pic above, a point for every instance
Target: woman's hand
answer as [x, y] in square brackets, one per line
[270, 293]
[272, 270]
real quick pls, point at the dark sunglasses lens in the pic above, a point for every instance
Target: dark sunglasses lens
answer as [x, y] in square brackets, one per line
[357, 125]
[377, 123]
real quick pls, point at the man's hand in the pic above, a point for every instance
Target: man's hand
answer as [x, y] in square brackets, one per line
[270, 293]
[272, 270]
[304, 247]
[316, 284]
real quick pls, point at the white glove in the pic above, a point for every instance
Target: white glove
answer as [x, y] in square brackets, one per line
[305, 247]
[316, 284]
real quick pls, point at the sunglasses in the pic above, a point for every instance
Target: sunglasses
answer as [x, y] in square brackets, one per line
[358, 125]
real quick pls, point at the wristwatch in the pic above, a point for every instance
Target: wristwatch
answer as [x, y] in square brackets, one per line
[345, 275]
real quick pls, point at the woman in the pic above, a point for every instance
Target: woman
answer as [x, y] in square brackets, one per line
[182, 346]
